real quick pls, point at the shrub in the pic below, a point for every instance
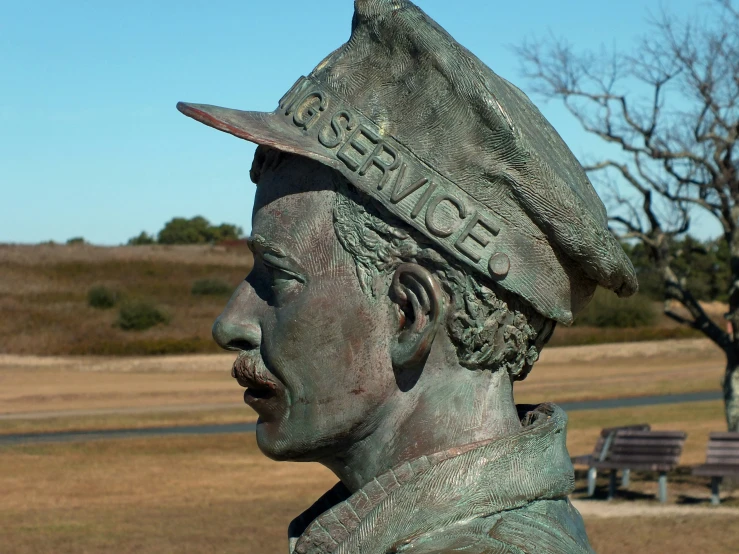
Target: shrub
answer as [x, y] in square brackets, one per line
[102, 297]
[141, 240]
[139, 316]
[196, 230]
[211, 287]
[608, 310]
[76, 240]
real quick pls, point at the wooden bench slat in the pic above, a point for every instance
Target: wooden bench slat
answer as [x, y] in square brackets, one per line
[722, 454]
[646, 448]
[643, 445]
[724, 435]
[719, 466]
[645, 441]
[710, 456]
[625, 460]
[722, 461]
[648, 453]
[725, 445]
[623, 445]
[652, 434]
[644, 452]
[635, 467]
[716, 470]
[620, 449]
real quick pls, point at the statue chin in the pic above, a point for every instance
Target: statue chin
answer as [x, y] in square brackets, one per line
[279, 442]
[274, 442]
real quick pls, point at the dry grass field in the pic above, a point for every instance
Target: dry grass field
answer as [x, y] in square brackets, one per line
[39, 394]
[219, 494]
[572, 373]
[200, 495]
[43, 297]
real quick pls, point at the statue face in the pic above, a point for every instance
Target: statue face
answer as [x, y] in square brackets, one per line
[315, 356]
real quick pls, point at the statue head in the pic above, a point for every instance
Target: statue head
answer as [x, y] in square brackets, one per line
[344, 306]
[419, 229]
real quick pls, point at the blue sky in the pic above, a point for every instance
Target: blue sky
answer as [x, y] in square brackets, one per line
[91, 143]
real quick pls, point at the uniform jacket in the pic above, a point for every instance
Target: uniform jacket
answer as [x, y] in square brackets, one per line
[504, 496]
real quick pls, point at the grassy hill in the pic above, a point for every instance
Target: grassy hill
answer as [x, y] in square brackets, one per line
[44, 300]
[44, 297]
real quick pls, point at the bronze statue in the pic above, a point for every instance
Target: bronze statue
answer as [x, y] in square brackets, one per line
[419, 229]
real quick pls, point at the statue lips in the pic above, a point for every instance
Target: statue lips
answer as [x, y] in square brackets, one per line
[263, 393]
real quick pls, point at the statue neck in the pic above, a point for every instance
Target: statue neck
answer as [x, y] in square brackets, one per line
[449, 407]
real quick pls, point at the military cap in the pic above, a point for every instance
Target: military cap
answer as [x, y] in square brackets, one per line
[417, 122]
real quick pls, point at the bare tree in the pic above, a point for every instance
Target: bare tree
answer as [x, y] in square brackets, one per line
[669, 110]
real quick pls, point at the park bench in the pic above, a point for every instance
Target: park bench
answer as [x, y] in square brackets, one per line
[600, 453]
[643, 451]
[722, 460]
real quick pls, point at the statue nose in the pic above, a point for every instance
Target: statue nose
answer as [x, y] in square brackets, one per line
[234, 335]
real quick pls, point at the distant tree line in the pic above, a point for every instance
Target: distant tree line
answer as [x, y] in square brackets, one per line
[704, 264]
[196, 230]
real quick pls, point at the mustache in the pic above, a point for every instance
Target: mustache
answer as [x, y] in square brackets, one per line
[252, 373]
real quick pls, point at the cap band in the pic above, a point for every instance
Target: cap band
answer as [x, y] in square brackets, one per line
[383, 168]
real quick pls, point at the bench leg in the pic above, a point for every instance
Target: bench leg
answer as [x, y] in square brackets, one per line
[663, 487]
[625, 479]
[612, 484]
[715, 496]
[592, 476]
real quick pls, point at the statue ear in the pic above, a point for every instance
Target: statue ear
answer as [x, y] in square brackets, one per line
[421, 301]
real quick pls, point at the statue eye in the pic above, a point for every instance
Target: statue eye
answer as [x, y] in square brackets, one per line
[280, 277]
[281, 281]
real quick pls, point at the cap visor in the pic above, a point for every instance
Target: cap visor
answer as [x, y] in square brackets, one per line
[265, 128]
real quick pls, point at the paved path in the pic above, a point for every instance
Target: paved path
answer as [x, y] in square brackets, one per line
[133, 410]
[69, 436]
[75, 436]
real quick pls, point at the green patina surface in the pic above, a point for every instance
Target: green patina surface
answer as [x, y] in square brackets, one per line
[419, 229]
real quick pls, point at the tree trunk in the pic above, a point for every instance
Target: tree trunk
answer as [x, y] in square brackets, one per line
[731, 392]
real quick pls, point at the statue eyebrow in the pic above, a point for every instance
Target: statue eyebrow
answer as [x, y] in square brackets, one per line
[275, 256]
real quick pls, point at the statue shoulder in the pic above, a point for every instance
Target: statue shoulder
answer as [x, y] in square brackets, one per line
[543, 526]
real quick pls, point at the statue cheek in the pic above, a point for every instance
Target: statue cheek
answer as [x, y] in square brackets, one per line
[281, 217]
